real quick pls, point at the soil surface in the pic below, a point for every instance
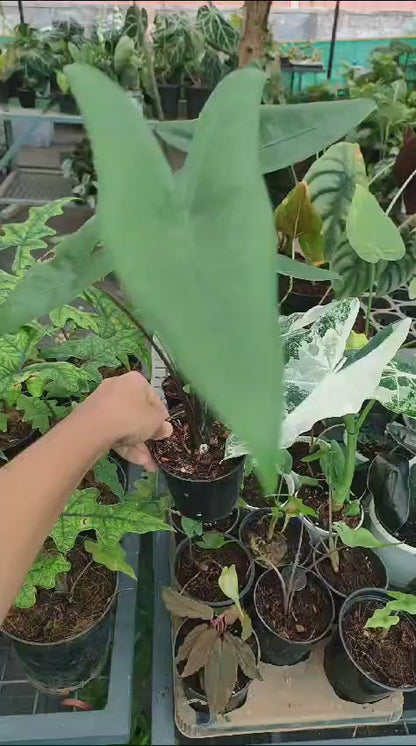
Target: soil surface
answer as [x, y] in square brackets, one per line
[59, 615]
[221, 526]
[390, 659]
[317, 498]
[253, 494]
[281, 550]
[200, 572]
[408, 533]
[171, 392]
[357, 569]
[17, 430]
[309, 616]
[314, 289]
[299, 451]
[176, 456]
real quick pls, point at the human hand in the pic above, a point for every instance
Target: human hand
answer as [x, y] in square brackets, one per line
[134, 414]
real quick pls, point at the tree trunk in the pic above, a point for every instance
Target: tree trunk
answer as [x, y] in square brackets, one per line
[256, 13]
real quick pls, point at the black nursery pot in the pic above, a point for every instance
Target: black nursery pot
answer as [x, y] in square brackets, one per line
[340, 597]
[298, 302]
[195, 696]
[17, 448]
[171, 400]
[67, 103]
[346, 677]
[196, 98]
[4, 91]
[206, 500]
[27, 98]
[60, 667]
[278, 650]
[176, 521]
[226, 602]
[169, 98]
[294, 527]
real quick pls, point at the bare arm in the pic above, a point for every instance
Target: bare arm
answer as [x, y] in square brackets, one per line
[34, 488]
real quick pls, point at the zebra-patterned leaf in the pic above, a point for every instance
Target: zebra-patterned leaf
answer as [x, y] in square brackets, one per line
[217, 31]
[332, 180]
[354, 273]
[392, 275]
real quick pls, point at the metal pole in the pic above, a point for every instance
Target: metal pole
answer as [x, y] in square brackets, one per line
[333, 40]
[20, 4]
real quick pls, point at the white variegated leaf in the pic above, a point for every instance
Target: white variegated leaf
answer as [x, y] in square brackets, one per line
[397, 389]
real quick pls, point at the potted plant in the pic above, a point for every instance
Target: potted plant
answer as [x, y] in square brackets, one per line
[61, 621]
[173, 45]
[66, 101]
[199, 562]
[202, 74]
[196, 529]
[216, 654]
[371, 654]
[8, 66]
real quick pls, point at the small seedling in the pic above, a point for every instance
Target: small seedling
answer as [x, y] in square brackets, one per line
[212, 649]
[385, 618]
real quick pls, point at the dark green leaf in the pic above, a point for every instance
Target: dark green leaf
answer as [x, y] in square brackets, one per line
[289, 267]
[186, 255]
[371, 233]
[183, 606]
[105, 472]
[356, 537]
[296, 217]
[112, 556]
[388, 482]
[200, 651]
[191, 527]
[42, 574]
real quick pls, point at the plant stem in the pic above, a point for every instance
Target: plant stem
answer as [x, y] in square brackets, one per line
[290, 288]
[141, 40]
[342, 493]
[370, 299]
[76, 581]
[363, 416]
[400, 192]
[291, 586]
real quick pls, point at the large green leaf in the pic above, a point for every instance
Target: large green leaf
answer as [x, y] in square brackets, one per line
[186, 255]
[288, 133]
[42, 574]
[354, 274]
[36, 411]
[106, 472]
[111, 522]
[113, 556]
[287, 266]
[371, 233]
[48, 285]
[30, 234]
[332, 180]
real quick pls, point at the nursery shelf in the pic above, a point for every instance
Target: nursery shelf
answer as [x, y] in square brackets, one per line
[30, 186]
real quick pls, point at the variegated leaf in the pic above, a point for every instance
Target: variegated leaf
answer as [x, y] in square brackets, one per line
[397, 388]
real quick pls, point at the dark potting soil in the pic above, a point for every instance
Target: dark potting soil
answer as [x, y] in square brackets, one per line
[315, 289]
[221, 526]
[389, 659]
[200, 572]
[253, 493]
[281, 550]
[176, 456]
[408, 533]
[309, 616]
[298, 452]
[58, 616]
[17, 430]
[317, 498]
[170, 388]
[357, 569]
[107, 497]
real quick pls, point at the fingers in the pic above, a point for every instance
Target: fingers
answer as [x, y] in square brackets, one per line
[164, 431]
[139, 455]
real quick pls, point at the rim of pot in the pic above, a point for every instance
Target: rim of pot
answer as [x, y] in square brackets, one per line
[375, 594]
[290, 482]
[390, 538]
[285, 639]
[179, 530]
[250, 516]
[240, 461]
[199, 692]
[74, 637]
[227, 601]
[317, 569]
[33, 432]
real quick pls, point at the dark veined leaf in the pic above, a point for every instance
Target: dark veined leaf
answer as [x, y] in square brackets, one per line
[189, 641]
[42, 574]
[332, 180]
[15, 351]
[185, 607]
[245, 655]
[217, 30]
[220, 676]
[388, 482]
[296, 217]
[356, 537]
[200, 651]
[288, 133]
[30, 234]
[289, 267]
[48, 285]
[392, 275]
[404, 435]
[371, 233]
[354, 275]
[113, 556]
[187, 254]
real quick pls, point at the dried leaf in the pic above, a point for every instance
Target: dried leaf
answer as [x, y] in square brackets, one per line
[245, 655]
[200, 651]
[220, 675]
[186, 607]
[188, 642]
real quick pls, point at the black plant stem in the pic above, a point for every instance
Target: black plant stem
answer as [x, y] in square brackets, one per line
[189, 412]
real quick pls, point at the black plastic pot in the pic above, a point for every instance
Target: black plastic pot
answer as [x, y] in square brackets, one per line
[171, 401]
[196, 98]
[294, 526]
[17, 448]
[61, 667]
[346, 677]
[298, 302]
[196, 697]
[206, 500]
[67, 103]
[278, 650]
[4, 91]
[339, 597]
[27, 98]
[226, 602]
[180, 533]
[169, 98]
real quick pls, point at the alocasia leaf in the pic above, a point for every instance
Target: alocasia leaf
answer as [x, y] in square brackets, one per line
[30, 234]
[188, 608]
[42, 574]
[111, 522]
[200, 651]
[228, 582]
[296, 217]
[186, 257]
[220, 676]
[112, 556]
[397, 387]
[356, 537]
[371, 233]
[105, 471]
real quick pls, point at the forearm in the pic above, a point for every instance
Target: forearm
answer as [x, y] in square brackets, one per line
[36, 486]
